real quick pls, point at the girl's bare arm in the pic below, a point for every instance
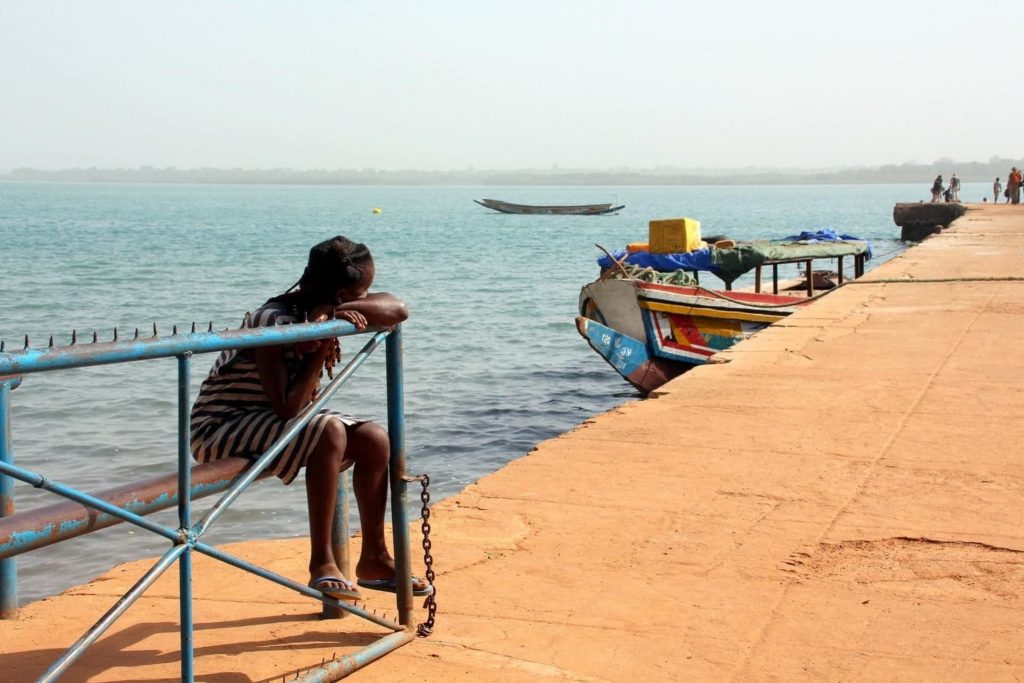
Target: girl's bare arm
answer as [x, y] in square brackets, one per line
[380, 309]
[288, 400]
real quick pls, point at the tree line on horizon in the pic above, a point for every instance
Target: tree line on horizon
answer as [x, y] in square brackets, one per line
[973, 171]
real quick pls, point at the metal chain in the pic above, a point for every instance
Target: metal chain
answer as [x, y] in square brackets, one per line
[427, 627]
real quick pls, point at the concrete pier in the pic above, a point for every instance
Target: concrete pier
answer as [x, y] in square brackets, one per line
[841, 498]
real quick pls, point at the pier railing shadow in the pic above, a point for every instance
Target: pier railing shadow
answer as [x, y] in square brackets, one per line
[82, 512]
[122, 649]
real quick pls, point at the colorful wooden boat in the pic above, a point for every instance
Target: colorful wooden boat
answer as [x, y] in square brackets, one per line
[651, 332]
[559, 210]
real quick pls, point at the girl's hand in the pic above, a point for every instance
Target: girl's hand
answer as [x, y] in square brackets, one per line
[309, 347]
[354, 317]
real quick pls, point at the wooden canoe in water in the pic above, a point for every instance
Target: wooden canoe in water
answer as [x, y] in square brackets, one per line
[556, 210]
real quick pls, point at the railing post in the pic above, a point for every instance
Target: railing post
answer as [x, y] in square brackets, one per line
[8, 568]
[185, 515]
[339, 542]
[399, 516]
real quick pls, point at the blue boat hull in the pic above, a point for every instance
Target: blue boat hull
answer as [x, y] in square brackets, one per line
[629, 356]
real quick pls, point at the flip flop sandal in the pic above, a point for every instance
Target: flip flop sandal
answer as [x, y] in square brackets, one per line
[388, 586]
[349, 593]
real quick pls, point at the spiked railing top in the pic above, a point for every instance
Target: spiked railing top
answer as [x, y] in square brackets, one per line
[53, 357]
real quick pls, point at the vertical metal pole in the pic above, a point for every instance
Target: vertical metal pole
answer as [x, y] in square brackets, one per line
[339, 542]
[185, 515]
[399, 517]
[8, 568]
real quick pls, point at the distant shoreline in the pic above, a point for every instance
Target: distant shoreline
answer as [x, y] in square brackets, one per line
[272, 183]
[882, 175]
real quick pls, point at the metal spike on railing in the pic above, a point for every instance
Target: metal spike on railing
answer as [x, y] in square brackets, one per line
[26, 341]
[155, 333]
[305, 315]
[50, 345]
[2, 345]
[74, 336]
[136, 333]
[95, 337]
[210, 329]
[174, 330]
[193, 327]
[115, 333]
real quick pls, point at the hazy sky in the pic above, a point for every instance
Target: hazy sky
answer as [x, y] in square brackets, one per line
[508, 84]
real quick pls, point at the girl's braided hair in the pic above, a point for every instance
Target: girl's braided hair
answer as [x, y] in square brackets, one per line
[335, 263]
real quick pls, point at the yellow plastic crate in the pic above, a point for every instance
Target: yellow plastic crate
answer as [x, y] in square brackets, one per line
[674, 235]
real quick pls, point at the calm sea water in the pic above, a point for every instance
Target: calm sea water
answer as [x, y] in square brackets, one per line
[492, 359]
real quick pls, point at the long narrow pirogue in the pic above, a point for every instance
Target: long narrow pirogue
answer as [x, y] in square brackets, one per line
[561, 210]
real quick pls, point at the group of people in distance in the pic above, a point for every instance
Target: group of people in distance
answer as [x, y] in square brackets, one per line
[949, 194]
[1013, 187]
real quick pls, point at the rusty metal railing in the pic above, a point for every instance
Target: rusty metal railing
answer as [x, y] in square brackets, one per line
[24, 532]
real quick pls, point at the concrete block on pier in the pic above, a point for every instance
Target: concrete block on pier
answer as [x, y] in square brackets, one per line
[921, 220]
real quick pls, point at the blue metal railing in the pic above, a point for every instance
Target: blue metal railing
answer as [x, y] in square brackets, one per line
[38, 530]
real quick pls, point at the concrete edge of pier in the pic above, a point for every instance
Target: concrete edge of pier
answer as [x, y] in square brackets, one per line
[839, 497]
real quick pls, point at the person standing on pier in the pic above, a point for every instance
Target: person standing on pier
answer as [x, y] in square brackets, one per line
[937, 190]
[997, 191]
[252, 396]
[1013, 185]
[954, 188]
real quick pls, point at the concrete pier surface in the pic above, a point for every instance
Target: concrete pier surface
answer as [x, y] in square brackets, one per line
[841, 498]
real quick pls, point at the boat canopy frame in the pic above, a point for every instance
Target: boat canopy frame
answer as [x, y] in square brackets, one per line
[728, 264]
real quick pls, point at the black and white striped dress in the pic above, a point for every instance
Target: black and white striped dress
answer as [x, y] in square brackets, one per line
[232, 414]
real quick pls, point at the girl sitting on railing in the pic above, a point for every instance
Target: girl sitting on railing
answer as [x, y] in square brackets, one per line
[252, 396]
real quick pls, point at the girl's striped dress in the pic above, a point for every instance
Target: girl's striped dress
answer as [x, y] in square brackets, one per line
[232, 414]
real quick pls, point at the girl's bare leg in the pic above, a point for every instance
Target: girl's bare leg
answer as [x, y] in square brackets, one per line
[368, 447]
[322, 471]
